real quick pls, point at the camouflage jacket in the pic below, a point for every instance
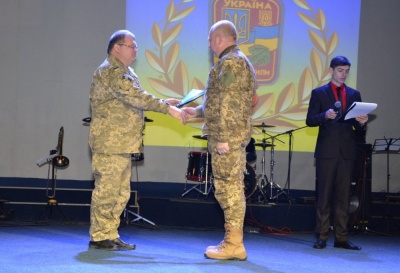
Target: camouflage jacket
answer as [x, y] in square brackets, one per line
[228, 100]
[117, 103]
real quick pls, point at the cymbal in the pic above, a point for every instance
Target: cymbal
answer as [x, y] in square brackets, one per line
[263, 125]
[200, 137]
[264, 145]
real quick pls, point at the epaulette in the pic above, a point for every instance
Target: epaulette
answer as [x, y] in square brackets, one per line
[128, 77]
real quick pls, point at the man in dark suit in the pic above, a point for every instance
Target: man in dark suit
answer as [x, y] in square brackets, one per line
[334, 153]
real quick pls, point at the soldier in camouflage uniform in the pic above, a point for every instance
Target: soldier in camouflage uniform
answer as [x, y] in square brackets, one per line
[117, 104]
[227, 123]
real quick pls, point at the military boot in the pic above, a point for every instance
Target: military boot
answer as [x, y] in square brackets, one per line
[227, 226]
[231, 248]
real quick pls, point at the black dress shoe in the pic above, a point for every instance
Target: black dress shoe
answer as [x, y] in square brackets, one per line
[104, 245]
[320, 244]
[122, 245]
[346, 245]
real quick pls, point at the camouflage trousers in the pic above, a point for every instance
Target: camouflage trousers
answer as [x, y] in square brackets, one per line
[228, 172]
[112, 174]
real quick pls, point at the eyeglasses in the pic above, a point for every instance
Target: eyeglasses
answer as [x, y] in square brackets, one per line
[130, 46]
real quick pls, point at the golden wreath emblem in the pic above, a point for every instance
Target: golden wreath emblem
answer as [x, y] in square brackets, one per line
[286, 110]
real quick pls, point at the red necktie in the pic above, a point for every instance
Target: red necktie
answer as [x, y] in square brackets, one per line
[339, 95]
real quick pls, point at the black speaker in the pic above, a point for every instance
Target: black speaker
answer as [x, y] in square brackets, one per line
[361, 187]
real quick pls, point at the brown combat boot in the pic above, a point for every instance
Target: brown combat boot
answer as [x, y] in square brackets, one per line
[227, 226]
[231, 248]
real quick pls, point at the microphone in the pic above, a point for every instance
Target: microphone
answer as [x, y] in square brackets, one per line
[337, 106]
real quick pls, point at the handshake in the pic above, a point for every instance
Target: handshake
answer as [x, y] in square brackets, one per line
[183, 114]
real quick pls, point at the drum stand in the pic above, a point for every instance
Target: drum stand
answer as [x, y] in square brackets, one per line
[271, 184]
[207, 182]
[263, 175]
[266, 186]
[125, 219]
[197, 187]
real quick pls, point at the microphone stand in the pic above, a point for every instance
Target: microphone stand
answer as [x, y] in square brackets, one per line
[272, 182]
[290, 133]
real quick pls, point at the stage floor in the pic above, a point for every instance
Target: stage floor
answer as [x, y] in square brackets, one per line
[62, 247]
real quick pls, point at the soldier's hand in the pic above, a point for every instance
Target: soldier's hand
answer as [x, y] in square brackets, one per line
[172, 101]
[190, 112]
[175, 112]
[222, 148]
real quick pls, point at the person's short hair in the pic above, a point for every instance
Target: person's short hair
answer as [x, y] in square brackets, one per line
[118, 37]
[226, 28]
[339, 61]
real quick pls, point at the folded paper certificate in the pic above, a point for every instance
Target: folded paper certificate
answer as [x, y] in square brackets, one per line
[191, 96]
[358, 108]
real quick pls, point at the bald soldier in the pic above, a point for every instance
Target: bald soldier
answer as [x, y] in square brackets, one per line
[227, 112]
[117, 104]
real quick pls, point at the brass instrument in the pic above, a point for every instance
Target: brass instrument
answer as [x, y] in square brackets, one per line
[57, 160]
[60, 161]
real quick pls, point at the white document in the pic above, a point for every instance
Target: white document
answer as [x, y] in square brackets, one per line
[359, 108]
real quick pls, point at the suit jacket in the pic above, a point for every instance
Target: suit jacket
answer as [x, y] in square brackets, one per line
[334, 138]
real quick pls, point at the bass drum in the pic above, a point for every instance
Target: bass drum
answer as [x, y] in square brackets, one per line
[250, 181]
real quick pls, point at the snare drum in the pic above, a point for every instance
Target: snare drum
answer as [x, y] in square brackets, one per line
[199, 167]
[250, 181]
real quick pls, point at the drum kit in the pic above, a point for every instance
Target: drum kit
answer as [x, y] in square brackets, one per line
[199, 170]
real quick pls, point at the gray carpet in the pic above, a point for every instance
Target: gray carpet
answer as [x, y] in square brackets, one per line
[60, 247]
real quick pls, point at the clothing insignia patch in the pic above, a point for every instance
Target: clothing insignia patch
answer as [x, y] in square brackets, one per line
[128, 77]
